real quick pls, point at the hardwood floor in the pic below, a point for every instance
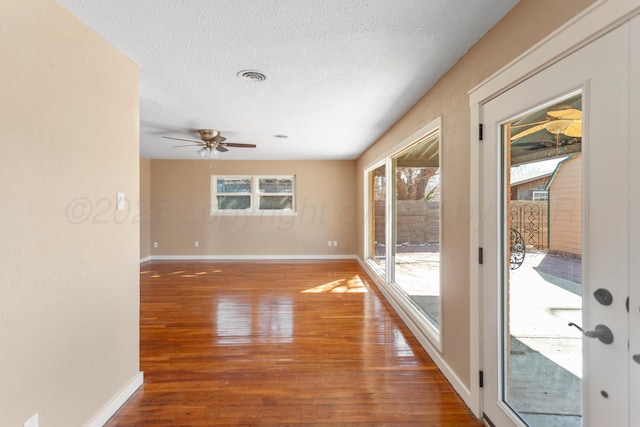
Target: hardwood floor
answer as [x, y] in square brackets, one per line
[280, 343]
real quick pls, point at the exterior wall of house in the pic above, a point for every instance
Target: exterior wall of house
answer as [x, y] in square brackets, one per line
[527, 23]
[69, 276]
[325, 200]
[525, 191]
[565, 209]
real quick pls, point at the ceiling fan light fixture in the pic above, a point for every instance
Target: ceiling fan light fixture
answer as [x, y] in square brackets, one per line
[214, 153]
[202, 152]
[557, 126]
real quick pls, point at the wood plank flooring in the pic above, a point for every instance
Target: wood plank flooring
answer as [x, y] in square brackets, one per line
[308, 343]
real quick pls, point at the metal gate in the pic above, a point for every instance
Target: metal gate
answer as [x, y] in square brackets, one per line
[530, 219]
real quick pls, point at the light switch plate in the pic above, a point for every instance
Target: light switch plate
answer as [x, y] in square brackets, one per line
[120, 201]
[32, 422]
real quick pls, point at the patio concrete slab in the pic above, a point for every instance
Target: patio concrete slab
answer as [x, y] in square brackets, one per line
[545, 359]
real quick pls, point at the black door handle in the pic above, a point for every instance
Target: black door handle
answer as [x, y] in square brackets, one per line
[602, 332]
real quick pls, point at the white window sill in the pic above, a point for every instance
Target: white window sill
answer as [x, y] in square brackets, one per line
[254, 213]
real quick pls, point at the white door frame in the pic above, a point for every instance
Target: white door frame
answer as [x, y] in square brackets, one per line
[596, 20]
[634, 226]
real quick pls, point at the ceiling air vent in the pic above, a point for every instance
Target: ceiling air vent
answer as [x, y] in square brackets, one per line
[252, 75]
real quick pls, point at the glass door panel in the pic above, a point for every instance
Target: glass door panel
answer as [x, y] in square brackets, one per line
[542, 273]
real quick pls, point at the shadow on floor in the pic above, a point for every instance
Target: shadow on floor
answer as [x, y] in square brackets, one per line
[544, 393]
[556, 266]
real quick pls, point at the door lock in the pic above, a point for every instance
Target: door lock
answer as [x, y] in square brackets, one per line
[603, 296]
[602, 332]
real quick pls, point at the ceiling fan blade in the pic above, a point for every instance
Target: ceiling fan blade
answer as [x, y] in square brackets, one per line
[239, 145]
[574, 130]
[568, 113]
[190, 145]
[180, 139]
[529, 124]
[532, 129]
[218, 138]
[221, 148]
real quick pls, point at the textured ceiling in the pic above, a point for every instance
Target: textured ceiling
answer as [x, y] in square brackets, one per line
[340, 72]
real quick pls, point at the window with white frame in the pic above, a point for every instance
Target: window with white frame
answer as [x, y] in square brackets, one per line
[540, 195]
[257, 194]
[404, 229]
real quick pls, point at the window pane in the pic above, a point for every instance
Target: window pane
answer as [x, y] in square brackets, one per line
[234, 202]
[540, 196]
[416, 230]
[276, 202]
[275, 185]
[234, 185]
[378, 217]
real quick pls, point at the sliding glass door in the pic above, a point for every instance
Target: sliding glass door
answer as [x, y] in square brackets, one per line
[404, 226]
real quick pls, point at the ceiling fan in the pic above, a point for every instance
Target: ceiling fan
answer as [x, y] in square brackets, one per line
[562, 120]
[566, 121]
[212, 143]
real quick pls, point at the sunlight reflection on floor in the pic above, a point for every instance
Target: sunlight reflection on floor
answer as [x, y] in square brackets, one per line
[182, 273]
[353, 285]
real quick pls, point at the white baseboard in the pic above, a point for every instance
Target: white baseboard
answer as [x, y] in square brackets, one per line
[117, 401]
[421, 336]
[246, 257]
[145, 259]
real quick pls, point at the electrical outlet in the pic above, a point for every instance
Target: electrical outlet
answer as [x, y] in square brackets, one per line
[335, 243]
[155, 245]
[196, 244]
[329, 243]
[31, 422]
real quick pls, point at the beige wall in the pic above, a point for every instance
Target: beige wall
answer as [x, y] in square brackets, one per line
[181, 196]
[527, 23]
[145, 207]
[69, 269]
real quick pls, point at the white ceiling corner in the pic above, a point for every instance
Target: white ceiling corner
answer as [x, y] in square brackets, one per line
[340, 73]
